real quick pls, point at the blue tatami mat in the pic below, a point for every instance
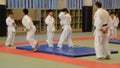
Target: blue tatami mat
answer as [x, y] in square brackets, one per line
[65, 51]
[114, 41]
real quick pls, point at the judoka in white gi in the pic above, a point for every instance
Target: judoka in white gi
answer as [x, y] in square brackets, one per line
[50, 28]
[101, 18]
[65, 18]
[31, 29]
[112, 26]
[116, 24]
[11, 30]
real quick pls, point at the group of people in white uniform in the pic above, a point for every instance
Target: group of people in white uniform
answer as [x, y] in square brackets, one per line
[105, 29]
[65, 23]
[31, 29]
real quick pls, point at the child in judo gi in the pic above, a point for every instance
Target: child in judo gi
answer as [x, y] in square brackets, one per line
[11, 30]
[50, 21]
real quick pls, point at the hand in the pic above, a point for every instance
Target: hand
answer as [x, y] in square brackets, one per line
[14, 24]
[104, 31]
[26, 29]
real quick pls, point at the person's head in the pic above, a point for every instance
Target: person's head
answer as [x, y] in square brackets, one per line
[65, 10]
[25, 11]
[50, 12]
[98, 5]
[112, 14]
[10, 14]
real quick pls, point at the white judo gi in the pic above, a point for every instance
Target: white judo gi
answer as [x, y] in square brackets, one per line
[116, 25]
[112, 28]
[31, 29]
[11, 31]
[50, 30]
[67, 30]
[101, 39]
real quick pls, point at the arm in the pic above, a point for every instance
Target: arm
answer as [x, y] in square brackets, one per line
[98, 22]
[14, 24]
[49, 21]
[61, 15]
[116, 22]
[26, 22]
[9, 22]
[64, 17]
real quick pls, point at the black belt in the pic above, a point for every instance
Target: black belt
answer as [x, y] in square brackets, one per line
[104, 25]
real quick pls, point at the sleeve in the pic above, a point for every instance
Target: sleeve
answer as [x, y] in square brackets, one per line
[26, 23]
[9, 22]
[109, 22]
[116, 21]
[98, 21]
[49, 21]
[62, 15]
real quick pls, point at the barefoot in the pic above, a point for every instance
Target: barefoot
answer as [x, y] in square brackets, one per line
[101, 58]
[8, 45]
[50, 46]
[36, 47]
[35, 50]
[108, 57]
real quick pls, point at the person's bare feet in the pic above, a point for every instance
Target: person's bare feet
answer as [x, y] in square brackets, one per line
[36, 47]
[8, 45]
[101, 58]
[108, 57]
[50, 46]
[35, 50]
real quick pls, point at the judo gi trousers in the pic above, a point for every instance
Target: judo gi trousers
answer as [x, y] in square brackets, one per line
[112, 33]
[50, 37]
[116, 32]
[66, 35]
[30, 37]
[101, 44]
[10, 38]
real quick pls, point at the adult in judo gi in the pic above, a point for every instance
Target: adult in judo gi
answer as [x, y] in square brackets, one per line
[101, 20]
[65, 18]
[50, 21]
[31, 29]
[11, 30]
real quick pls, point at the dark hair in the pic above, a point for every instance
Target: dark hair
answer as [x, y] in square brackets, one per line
[10, 13]
[50, 10]
[25, 11]
[65, 10]
[98, 4]
[112, 13]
